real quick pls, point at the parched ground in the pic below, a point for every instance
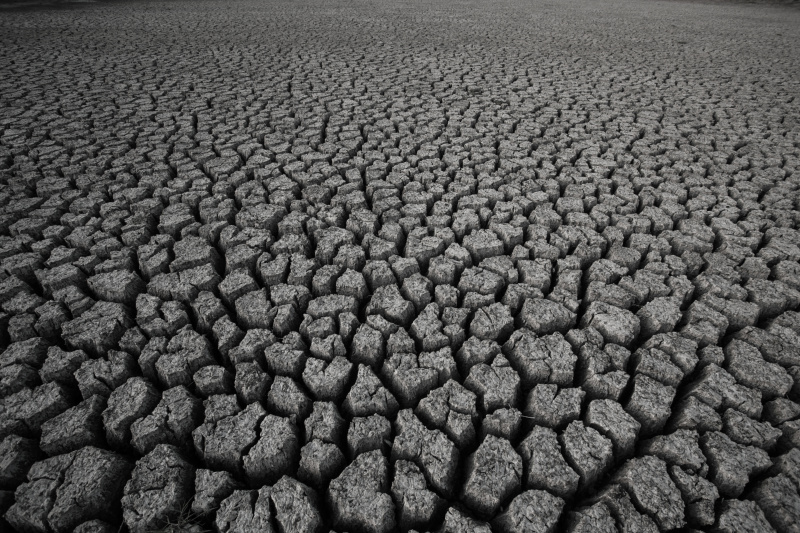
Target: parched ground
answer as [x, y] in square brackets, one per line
[375, 266]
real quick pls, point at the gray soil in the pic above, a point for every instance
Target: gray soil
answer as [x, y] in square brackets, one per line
[378, 266]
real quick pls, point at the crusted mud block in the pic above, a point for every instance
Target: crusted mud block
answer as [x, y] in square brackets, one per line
[66, 490]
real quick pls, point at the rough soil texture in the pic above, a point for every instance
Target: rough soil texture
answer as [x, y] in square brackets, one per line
[391, 266]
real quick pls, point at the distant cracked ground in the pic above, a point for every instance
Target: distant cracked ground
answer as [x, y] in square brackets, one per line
[374, 267]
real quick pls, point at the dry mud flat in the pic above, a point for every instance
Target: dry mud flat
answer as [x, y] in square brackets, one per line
[393, 266]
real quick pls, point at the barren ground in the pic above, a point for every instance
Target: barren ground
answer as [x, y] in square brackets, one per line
[378, 266]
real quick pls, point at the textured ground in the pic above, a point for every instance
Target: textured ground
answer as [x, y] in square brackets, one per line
[376, 266]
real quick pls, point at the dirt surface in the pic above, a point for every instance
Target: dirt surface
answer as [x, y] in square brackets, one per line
[376, 266]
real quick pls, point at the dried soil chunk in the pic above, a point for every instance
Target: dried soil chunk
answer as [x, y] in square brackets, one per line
[656, 364]
[207, 309]
[17, 454]
[659, 315]
[594, 519]
[21, 327]
[745, 363]
[718, 389]
[681, 351]
[222, 443]
[236, 284]
[778, 499]
[358, 497]
[680, 448]
[171, 422]
[244, 511]
[319, 463]
[54, 279]
[328, 347]
[496, 386]
[704, 324]
[494, 472]
[24, 412]
[457, 522]
[475, 351]
[738, 313]
[219, 406]
[699, 494]
[547, 359]
[749, 432]
[368, 396]
[731, 465]
[452, 409]
[117, 286]
[791, 435]
[534, 511]
[22, 359]
[544, 317]
[548, 406]
[227, 334]
[589, 453]
[389, 303]
[493, 323]
[99, 329]
[417, 289]
[213, 379]
[771, 297]
[327, 381]
[618, 326]
[75, 428]
[251, 383]
[367, 346]
[536, 273]
[416, 504]
[601, 372]
[436, 456]
[133, 400]
[284, 360]
[157, 318]
[777, 344]
[253, 310]
[187, 352]
[332, 306]
[545, 466]
[210, 489]
[789, 465]
[325, 423]
[15, 377]
[261, 216]
[610, 418]
[252, 347]
[742, 516]
[185, 285]
[482, 244]
[276, 452]
[161, 485]
[368, 433]
[628, 518]
[647, 481]
[480, 282]
[503, 423]
[102, 376]
[408, 379]
[66, 490]
[352, 283]
[442, 362]
[296, 507]
[781, 410]
[650, 404]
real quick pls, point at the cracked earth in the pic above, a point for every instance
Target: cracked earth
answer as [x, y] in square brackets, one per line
[369, 266]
